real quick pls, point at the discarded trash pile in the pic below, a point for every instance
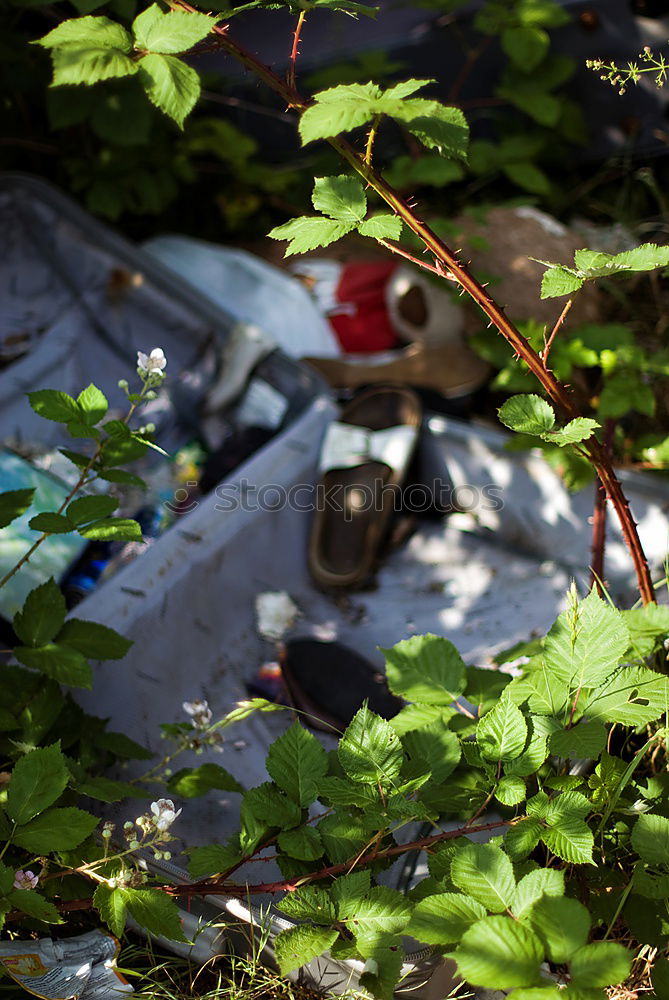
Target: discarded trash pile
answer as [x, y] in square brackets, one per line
[271, 561]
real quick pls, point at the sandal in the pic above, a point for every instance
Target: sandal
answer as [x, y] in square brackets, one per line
[364, 461]
[329, 682]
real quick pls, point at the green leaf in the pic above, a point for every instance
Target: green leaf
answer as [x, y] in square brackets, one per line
[77, 458]
[633, 696]
[108, 790]
[111, 905]
[343, 836]
[499, 953]
[87, 509]
[212, 859]
[310, 232]
[568, 835]
[370, 750]
[50, 523]
[342, 792]
[42, 615]
[170, 84]
[562, 924]
[338, 109]
[123, 477]
[297, 762]
[13, 503]
[155, 911]
[525, 46]
[64, 664]
[342, 198]
[660, 977]
[546, 13]
[370, 919]
[442, 128]
[586, 643]
[404, 89]
[383, 968]
[7, 875]
[81, 32]
[542, 107]
[55, 830]
[442, 919]
[527, 176]
[484, 871]
[420, 717]
[559, 281]
[521, 839]
[37, 781]
[304, 843]
[299, 945]
[122, 746]
[92, 405]
[510, 790]
[436, 747]
[94, 640]
[121, 529]
[255, 825]
[175, 31]
[73, 65]
[534, 886]
[579, 429]
[426, 669]
[650, 838]
[309, 903]
[528, 414]
[587, 739]
[381, 227]
[34, 905]
[189, 783]
[502, 733]
[603, 963]
[77, 428]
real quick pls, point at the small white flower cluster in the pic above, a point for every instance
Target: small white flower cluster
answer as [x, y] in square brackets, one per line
[154, 826]
[199, 712]
[153, 363]
[200, 717]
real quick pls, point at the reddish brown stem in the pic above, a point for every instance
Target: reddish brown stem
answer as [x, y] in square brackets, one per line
[560, 320]
[211, 886]
[555, 391]
[289, 885]
[415, 260]
[599, 519]
[294, 52]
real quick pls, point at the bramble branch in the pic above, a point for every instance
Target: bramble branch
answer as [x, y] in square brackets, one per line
[444, 256]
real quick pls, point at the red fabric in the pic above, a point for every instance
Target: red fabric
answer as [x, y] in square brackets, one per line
[363, 325]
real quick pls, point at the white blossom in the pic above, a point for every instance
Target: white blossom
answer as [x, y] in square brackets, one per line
[164, 814]
[275, 612]
[152, 363]
[199, 712]
[25, 880]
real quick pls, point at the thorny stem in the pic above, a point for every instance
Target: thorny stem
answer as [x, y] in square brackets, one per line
[560, 320]
[415, 260]
[288, 885]
[373, 129]
[554, 389]
[599, 520]
[294, 51]
[209, 886]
